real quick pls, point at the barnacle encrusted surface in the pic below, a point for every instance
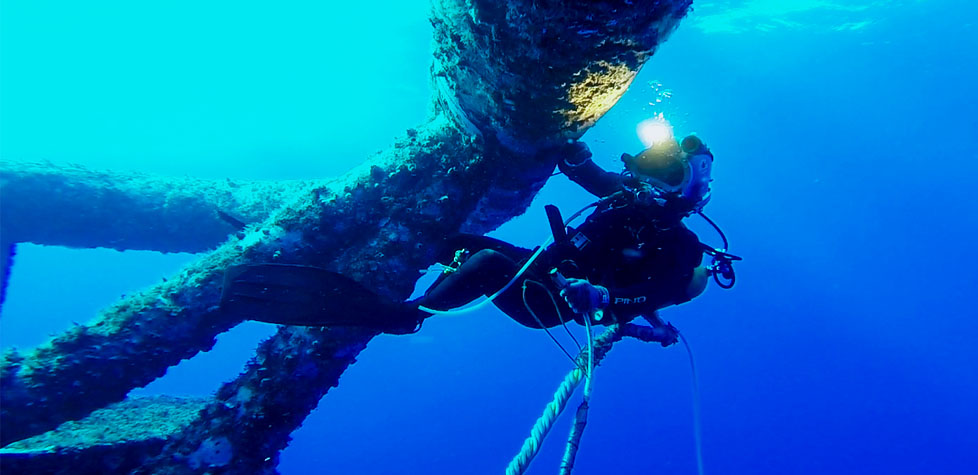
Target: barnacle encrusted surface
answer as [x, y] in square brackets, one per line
[113, 439]
[509, 78]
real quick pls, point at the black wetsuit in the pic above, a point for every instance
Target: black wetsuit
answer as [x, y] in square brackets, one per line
[642, 254]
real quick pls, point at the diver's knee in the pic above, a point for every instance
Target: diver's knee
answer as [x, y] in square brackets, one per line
[488, 260]
[697, 284]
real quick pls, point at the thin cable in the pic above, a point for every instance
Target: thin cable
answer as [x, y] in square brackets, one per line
[560, 317]
[697, 423]
[562, 322]
[540, 322]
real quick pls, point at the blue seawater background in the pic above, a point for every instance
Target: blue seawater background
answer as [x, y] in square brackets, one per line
[845, 134]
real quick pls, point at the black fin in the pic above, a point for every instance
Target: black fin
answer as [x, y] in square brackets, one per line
[7, 252]
[237, 223]
[311, 296]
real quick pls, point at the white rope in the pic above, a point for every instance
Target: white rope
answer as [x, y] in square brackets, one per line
[532, 443]
[545, 422]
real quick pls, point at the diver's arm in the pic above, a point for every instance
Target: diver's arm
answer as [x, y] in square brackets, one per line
[592, 178]
[574, 160]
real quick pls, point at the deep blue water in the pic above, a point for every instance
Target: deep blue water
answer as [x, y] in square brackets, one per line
[845, 136]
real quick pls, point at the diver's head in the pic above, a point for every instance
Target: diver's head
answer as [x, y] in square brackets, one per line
[676, 174]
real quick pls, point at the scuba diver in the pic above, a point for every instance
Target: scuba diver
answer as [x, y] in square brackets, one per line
[631, 256]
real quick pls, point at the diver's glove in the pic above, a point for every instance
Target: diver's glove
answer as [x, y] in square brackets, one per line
[584, 297]
[570, 155]
[664, 332]
[575, 153]
[668, 334]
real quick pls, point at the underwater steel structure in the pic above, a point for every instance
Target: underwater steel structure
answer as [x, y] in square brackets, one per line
[508, 77]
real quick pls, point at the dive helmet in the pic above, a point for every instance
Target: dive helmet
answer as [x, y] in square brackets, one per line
[675, 170]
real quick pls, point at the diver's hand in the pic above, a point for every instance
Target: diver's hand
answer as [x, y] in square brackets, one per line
[570, 155]
[576, 153]
[666, 334]
[584, 297]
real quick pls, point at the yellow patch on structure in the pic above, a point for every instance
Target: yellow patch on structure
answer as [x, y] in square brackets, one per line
[603, 84]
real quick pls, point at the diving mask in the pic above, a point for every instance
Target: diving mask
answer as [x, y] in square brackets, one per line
[682, 170]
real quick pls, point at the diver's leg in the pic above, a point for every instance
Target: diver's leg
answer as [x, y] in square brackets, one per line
[482, 274]
[532, 301]
[475, 243]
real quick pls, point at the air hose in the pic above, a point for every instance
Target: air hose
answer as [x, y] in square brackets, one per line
[722, 266]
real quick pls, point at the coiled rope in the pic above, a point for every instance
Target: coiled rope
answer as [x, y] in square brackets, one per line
[599, 348]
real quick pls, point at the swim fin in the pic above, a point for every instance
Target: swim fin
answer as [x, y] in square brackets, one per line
[288, 294]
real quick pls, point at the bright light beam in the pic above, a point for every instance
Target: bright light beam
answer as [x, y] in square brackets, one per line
[654, 130]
